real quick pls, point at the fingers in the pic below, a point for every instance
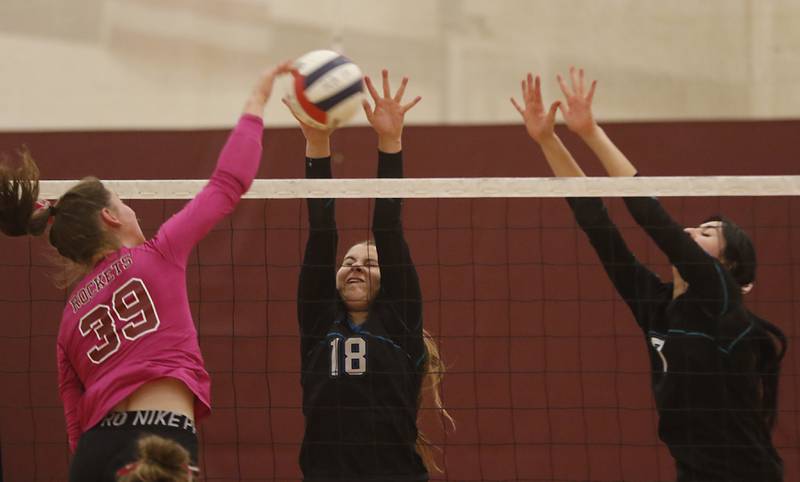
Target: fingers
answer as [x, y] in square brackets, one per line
[411, 104]
[537, 90]
[286, 103]
[371, 89]
[525, 97]
[551, 114]
[367, 110]
[303, 126]
[529, 87]
[580, 81]
[283, 68]
[386, 90]
[563, 86]
[563, 111]
[268, 76]
[590, 95]
[573, 75]
[516, 106]
[399, 95]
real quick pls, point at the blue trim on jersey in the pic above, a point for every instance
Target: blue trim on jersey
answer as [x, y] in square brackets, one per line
[359, 330]
[738, 338]
[700, 334]
[353, 326]
[690, 333]
[421, 359]
[724, 289]
[382, 338]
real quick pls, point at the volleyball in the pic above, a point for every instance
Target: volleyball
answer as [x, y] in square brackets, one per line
[326, 89]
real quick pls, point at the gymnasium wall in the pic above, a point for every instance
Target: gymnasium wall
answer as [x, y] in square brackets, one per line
[123, 64]
[548, 377]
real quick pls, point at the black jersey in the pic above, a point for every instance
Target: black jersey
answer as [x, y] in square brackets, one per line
[701, 346]
[360, 383]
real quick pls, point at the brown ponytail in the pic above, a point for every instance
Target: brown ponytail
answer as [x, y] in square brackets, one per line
[160, 460]
[75, 229]
[431, 384]
[19, 191]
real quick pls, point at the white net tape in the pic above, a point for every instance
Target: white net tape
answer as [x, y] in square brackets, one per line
[503, 187]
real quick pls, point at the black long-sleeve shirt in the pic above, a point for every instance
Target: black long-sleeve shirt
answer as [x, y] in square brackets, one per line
[360, 383]
[701, 347]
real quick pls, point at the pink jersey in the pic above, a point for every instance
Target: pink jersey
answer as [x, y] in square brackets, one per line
[128, 321]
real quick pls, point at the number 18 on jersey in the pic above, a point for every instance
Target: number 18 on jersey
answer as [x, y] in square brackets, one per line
[349, 354]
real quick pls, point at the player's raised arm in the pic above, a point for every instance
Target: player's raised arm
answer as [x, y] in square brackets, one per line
[580, 120]
[540, 125]
[317, 281]
[127, 345]
[632, 280]
[399, 279]
[236, 168]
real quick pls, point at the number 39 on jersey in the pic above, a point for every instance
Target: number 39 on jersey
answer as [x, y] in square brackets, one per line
[348, 355]
[132, 306]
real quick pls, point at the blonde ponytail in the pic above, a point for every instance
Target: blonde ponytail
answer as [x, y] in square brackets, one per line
[431, 384]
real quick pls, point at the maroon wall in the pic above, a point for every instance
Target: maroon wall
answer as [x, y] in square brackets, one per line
[548, 377]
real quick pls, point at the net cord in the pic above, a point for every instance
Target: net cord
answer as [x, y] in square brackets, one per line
[477, 187]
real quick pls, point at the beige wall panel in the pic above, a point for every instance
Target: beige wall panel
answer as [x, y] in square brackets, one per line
[189, 63]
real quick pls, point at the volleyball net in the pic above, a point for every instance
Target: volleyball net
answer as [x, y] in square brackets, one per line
[548, 377]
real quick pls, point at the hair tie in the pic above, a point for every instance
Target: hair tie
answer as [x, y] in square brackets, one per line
[127, 469]
[49, 206]
[51, 213]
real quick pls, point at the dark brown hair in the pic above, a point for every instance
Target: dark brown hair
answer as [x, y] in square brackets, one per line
[739, 258]
[19, 191]
[160, 460]
[75, 231]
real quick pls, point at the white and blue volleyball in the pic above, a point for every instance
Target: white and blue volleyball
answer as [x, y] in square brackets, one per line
[326, 90]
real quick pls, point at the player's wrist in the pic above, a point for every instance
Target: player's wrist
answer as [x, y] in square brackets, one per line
[390, 144]
[255, 104]
[316, 149]
[547, 140]
[591, 133]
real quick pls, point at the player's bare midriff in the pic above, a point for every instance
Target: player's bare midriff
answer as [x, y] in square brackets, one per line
[162, 394]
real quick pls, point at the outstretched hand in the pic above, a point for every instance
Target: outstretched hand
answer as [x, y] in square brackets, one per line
[578, 113]
[538, 122]
[263, 88]
[387, 116]
[312, 134]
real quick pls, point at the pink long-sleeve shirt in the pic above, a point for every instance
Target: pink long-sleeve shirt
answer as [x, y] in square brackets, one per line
[128, 321]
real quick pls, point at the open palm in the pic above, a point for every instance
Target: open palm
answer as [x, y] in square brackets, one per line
[538, 122]
[387, 116]
[578, 113]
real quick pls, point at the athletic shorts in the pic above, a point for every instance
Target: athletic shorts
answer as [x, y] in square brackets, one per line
[112, 444]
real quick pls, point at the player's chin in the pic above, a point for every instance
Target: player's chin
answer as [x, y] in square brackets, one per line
[356, 306]
[354, 294]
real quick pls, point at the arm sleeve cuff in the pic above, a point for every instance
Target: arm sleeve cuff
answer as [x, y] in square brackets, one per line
[390, 165]
[318, 168]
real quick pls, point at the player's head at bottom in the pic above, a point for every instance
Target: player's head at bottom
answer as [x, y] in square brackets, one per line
[159, 460]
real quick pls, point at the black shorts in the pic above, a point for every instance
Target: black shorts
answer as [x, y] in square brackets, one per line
[112, 443]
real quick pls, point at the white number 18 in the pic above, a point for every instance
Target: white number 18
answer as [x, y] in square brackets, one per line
[355, 356]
